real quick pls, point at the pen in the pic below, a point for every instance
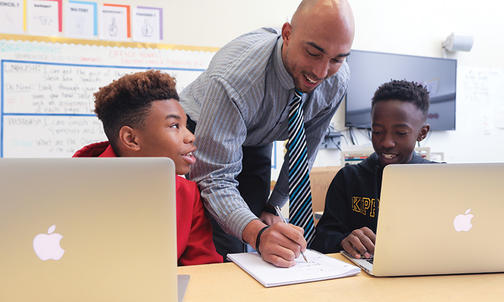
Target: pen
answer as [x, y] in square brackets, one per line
[285, 221]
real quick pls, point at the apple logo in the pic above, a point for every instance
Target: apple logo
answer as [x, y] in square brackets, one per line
[47, 246]
[462, 222]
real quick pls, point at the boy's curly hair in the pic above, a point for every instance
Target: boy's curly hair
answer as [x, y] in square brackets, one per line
[126, 101]
[404, 91]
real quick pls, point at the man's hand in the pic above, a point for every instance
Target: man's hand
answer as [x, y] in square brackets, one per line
[360, 243]
[269, 218]
[280, 244]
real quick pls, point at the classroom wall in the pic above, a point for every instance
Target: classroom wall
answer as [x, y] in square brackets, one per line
[418, 28]
[406, 27]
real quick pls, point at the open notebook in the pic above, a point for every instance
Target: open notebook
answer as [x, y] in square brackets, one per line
[318, 267]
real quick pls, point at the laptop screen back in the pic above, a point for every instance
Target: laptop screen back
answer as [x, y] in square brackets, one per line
[88, 229]
[440, 219]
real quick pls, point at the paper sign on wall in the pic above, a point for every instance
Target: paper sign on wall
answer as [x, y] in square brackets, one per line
[80, 19]
[43, 18]
[147, 24]
[114, 22]
[11, 16]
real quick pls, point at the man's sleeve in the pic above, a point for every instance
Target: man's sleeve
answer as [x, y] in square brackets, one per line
[220, 134]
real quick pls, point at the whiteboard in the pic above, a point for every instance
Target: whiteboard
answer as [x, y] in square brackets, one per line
[47, 104]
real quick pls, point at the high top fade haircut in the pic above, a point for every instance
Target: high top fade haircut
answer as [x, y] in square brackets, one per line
[405, 91]
[127, 101]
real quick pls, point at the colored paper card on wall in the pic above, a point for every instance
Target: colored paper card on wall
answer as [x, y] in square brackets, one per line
[148, 24]
[11, 16]
[44, 17]
[115, 22]
[81, 19]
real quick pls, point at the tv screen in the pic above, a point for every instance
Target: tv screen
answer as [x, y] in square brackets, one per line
[371, 69]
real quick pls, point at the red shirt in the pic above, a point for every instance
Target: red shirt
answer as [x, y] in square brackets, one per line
[194, 231]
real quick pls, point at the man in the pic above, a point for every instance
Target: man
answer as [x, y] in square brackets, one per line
[239, 106]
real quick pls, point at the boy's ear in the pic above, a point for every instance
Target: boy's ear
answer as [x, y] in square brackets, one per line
[128, 139]
[423, 132]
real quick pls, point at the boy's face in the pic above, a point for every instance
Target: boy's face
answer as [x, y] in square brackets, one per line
[396, 127]
[165, 135]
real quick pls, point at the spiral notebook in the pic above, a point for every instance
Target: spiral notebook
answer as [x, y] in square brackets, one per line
[319, 267]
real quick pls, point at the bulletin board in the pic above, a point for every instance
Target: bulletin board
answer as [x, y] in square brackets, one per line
[47, 86]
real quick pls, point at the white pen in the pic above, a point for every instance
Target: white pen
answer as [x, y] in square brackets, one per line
[285, 221]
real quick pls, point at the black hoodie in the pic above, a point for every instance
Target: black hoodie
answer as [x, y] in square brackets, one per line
[352, 202]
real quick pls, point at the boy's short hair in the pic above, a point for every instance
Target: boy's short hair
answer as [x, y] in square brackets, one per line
[404, 91]
[126, 101]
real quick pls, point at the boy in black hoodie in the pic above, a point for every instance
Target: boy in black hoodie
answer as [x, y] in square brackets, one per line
[399, 112]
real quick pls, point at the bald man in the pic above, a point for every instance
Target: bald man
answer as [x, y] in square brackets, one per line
[239, 106]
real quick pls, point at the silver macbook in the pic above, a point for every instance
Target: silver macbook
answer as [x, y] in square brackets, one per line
[88, 229]
[439, 219]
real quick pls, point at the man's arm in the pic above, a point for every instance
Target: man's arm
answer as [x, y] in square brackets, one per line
[221, 131]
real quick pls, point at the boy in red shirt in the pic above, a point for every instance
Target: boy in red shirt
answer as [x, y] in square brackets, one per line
[142, 117]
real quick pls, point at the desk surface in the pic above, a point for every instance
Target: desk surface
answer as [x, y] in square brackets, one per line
[227, 282]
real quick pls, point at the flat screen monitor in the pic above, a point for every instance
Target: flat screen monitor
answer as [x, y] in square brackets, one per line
[371, 69]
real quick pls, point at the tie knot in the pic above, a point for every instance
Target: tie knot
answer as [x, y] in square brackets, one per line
[296, 99]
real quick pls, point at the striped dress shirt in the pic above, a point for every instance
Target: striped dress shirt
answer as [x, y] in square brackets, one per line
[241, 100]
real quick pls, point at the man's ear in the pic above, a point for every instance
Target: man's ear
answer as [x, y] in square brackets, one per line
[423, 132]
[128, 139]
[286, 32]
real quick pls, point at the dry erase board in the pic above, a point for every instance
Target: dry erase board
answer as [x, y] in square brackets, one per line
[47, 89]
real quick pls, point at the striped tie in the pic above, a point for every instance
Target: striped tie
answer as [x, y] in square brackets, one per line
[300, 199]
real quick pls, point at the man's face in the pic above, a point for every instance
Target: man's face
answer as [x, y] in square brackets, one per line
[314, 51]
[396, 127]
[165, 135]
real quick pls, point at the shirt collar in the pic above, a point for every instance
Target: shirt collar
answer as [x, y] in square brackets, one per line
[109, 152]
[284, 77]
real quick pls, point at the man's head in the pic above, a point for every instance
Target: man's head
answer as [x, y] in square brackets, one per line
[317, 41]
[398, 112]
[142, 117]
